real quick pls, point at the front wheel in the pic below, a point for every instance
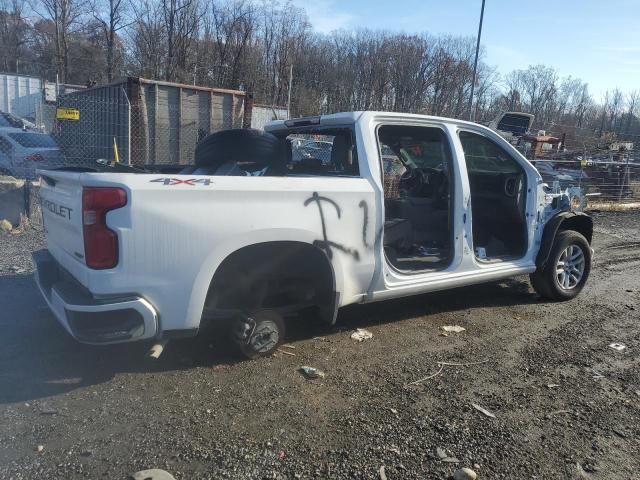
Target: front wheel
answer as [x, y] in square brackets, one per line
[567, 268]
[259, 333]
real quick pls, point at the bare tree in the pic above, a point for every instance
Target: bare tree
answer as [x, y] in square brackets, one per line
[231, 28]
[512, 97]
[64, 14]
[633, 103]
[614, 108]
[14, 31]
[147, 40]
[112, 16]
[181, 25]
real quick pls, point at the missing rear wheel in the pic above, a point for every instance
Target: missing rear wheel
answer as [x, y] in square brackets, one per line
[259, 333]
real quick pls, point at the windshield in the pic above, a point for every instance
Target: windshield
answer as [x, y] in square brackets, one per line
[33, 140]
[8, 120]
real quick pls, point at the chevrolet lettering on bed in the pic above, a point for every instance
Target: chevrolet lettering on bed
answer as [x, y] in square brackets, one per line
[306, 217]
[56, 209]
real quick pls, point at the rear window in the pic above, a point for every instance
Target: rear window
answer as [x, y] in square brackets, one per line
[514, 123]
[323, 152]
[33, 140]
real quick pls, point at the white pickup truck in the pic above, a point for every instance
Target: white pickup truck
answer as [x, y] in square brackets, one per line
[312, 215]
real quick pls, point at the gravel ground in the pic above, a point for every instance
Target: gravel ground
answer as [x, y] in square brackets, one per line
[566, 405]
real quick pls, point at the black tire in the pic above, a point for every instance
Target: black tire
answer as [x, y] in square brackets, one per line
[240, 145]
[545, 281]
[259, 334]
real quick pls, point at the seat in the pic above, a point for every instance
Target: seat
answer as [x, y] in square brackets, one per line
[342, 156]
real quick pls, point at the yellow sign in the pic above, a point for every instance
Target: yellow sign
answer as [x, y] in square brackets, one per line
[67, 114]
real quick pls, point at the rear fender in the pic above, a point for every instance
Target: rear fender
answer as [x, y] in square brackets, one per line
[211, 264]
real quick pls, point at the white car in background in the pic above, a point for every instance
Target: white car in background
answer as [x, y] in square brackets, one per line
[24, 151]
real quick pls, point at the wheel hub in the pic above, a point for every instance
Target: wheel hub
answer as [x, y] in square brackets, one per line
[570, 267]
[265, 336]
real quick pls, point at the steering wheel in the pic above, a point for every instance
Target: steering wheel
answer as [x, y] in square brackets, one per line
[412, 180]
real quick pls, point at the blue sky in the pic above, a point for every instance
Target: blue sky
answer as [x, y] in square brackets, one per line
[595, 40]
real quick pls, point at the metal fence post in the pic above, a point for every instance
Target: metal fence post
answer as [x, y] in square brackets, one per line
[128, 125]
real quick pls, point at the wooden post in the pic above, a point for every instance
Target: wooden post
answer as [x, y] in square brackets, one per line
[248, 110]
[210, 111]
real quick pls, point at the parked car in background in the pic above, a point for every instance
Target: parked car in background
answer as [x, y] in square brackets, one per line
[9, 120]
[319, 149]
[24, 151]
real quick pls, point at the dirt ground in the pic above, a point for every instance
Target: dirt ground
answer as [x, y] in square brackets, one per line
[566, 404]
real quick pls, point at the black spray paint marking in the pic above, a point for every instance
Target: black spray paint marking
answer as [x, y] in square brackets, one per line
[326, 244]
[365, 221]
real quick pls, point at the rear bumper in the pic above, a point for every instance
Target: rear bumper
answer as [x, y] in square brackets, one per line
[117, 319]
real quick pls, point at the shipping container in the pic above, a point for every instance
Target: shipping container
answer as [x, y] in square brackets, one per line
[144, 121]
[20, 95]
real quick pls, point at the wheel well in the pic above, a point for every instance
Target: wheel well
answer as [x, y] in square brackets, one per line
[581, 224]
[284, 275]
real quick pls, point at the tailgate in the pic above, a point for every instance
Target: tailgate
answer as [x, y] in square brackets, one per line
[61, 200]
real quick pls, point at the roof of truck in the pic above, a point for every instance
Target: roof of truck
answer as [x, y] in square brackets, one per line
[343, 118]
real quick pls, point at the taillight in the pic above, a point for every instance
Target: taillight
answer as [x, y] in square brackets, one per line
[100, 242]
[34, 157]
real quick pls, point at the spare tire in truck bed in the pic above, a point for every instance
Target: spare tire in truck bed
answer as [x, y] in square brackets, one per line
[239, 145]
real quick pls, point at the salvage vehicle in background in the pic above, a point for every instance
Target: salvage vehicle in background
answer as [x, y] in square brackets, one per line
[512, 125]
[23, 151]
[405, 204]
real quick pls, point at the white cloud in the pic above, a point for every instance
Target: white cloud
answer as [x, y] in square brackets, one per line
[324, 15]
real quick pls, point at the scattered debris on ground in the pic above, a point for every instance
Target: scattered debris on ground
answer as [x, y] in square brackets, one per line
[464, 474]
[291, 354]
[442, 365]
[153, 474]
[311, 372]
[453, 328]
[381, 472]
[5, 226]
[361, 334]
[483, 410]
[445, 457]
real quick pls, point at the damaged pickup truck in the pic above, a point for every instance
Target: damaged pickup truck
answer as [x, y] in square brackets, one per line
[256, 232]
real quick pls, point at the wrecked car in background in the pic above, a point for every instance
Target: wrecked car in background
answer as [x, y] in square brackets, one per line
[253, 233]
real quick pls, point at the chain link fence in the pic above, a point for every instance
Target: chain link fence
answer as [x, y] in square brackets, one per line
[143, 123]
[605, 172]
